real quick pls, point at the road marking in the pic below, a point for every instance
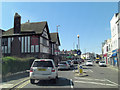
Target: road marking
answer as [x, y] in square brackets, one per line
[5, 85]
[91, 70]
[71, 83]
[90, 79]
[24, 84]
[95, 83]
[19, 82]
[112, 82]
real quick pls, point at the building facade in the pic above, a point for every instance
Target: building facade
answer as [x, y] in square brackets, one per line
[115, 35]
[107, 51]
[29, 40]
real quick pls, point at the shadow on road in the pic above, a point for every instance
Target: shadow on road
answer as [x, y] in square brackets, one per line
[61, 81]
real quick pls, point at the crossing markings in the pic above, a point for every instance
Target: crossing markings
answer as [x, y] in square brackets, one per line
[95, 81]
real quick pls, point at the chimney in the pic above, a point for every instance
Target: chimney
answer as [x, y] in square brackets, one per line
[17, 23]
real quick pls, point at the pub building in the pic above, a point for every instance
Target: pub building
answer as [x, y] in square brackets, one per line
[29, 40]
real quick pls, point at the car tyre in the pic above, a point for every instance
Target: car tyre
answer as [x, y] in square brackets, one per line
[32, 81]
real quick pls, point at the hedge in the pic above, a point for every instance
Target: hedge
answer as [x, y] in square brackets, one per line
[12, 65]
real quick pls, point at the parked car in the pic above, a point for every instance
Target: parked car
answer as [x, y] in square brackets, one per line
[89, 63]
[63, 65]
[70, 62]
[102, 63]
[43, 69]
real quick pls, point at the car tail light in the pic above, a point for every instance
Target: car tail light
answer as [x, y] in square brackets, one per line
[42, 60]
[66, 64]
[31, 69]
[53, 70]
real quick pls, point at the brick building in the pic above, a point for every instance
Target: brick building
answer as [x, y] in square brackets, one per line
[30, 39]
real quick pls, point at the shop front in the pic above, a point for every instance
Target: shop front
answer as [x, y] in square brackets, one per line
[105, 58]
[114, 58]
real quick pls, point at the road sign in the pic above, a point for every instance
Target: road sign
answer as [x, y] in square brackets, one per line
[78, 52]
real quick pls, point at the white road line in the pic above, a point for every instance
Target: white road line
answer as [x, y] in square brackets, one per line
[71, 85]
[95, 83]
[90, 79]
[111, 82]
[91, 70]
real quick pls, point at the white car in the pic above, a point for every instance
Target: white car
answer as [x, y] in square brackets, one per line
[89, 63]
[43, 69]
[102, 63]
[63, 65]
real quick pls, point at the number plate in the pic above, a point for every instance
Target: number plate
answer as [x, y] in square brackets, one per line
[41, 69]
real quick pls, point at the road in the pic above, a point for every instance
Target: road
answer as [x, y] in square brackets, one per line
[98, 77]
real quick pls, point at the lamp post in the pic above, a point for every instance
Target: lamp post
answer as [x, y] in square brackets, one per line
[78, 42]
[57, 27]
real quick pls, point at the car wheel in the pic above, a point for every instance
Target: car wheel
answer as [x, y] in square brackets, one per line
[32, 81]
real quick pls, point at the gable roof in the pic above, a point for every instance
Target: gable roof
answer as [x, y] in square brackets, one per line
[36, 27]
[55, 38]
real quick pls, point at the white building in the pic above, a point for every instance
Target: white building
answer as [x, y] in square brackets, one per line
[115, 35]
[107, 51]
[88, 55]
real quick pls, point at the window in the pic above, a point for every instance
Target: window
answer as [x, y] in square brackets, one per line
[4, 42]
[44, 42]
[9, 45]
[25, 44]
[28, 43]
[36, 48]
[22, 46]
[32, 48]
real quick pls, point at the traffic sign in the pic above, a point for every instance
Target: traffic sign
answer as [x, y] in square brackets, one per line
[78, 52]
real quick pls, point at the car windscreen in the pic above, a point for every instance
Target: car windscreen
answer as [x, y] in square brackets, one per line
[89, 61]
[69, 61]
[42, 64]
[62, 62]
[102, 62]
[75, 62]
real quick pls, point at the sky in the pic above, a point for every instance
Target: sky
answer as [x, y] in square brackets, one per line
[90, 20]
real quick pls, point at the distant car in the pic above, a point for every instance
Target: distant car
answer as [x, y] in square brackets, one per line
[63, 65]
[102, 63]
[74, 62]
[70, 62]
[43, 69]
[89, 63]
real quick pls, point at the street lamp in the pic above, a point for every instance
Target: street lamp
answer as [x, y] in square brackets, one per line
[78, 41]
[57, 27]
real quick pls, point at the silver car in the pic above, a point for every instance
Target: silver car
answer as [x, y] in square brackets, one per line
[63, 65]
[43, 69]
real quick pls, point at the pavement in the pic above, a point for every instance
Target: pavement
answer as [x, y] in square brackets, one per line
[98, 77]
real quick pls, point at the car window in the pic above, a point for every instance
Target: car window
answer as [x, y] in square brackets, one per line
[102, 61]
[62, 62]
[42, 64]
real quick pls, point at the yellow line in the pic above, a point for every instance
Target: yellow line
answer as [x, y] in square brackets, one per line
[24, 84]
[19, 82]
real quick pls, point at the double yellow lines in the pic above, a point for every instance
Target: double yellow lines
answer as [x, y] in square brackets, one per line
[24, 84]
[21, 84]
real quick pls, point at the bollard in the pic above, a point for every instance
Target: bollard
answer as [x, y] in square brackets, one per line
[81, 70]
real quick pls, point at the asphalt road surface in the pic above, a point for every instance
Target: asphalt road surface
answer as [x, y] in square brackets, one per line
[98, 77]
